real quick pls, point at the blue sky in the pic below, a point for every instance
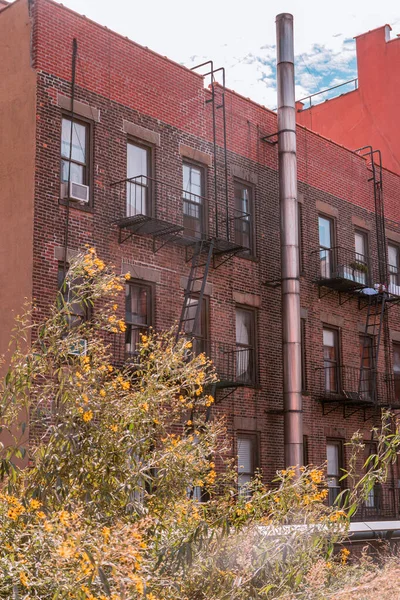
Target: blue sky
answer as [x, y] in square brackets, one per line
[241, 36]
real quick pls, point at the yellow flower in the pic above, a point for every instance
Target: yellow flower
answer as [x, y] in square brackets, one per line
[114, 428]
[85, 398]
[102, 393]
[127, 276]
[79, 375]
[125, 385]
[106, 534]
[87, 416]
[34, 504]
[115, 306]
[112, 319]
[189, 422]
[188, 345]
[344, 555]
[23, 579]
[144, 338]
[209, 400]
[145, 406]
[121, 326]
[110, 368]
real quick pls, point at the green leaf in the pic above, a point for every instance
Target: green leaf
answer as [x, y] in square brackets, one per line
[104, 581]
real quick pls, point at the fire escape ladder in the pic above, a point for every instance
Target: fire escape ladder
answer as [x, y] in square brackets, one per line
[374, 326]
[188, 321]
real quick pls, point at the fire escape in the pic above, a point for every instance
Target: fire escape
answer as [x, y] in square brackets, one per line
[205, 228]
[352, 276]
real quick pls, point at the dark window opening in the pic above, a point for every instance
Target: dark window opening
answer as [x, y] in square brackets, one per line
[331, 360]
[244, 216]
[138, 315]
[247, 457]
[245, 346]
[193, 201]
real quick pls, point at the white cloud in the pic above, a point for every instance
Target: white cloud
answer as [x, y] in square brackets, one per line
[241, 36]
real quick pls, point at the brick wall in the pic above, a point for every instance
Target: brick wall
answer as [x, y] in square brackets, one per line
[127, 82]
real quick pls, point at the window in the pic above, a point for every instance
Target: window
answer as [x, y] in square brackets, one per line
[243, 215]
[396, 370]
[303, 355]
[361, 257]
[326, 258]
[78, 167]
[78, 312]
[245, 346]
[247, 456]
[367, 371]
[138, 314]
[200, 334]
[193, 200]
[334, 454]
[331, 359]
[394, 269]
[138, 188]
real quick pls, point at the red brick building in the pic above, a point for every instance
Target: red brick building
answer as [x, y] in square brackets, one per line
[368, 114]
[142, 117]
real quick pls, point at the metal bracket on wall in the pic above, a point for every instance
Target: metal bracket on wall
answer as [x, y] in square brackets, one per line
[268, 139]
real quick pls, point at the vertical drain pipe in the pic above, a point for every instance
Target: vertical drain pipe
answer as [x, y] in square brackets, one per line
[291, 342]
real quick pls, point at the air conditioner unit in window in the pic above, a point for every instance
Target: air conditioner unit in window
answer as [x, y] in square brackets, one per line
[78, 191]
[79, 348]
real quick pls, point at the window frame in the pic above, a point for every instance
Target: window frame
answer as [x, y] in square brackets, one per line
[332, 254]
[365, 234]
[337, 334]
[252, 252]
[151, 150]
[205, 206]
[339, 443]
[89, 179]
[150, 307]
[254, 329]
[204, 320]
[254, 436]
[397, 275]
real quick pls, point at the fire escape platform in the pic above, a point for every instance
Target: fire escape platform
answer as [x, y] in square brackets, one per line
[170, 232]
[341, 284]
[145, 225]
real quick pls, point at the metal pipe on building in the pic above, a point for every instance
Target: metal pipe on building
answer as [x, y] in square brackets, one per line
[291, 340]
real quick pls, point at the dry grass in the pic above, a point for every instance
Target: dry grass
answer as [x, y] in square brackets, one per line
[375, 586]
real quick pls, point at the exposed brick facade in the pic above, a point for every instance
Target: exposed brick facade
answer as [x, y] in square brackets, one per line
[126, 83]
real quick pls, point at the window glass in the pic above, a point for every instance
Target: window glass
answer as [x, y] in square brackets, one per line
[333, 454]
[396, 371]
[246, 467]
[193, 203]
[137, 314]
[137, 191]
[200, 334]
[78, 169]
[245, 345]
[243, 208]
[325, 232]
[331, 367]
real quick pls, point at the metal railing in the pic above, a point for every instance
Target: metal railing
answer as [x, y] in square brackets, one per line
[382, 503]
[341, 267]
[198, 216]
[350, 384]
[325, 93]
[234, 365]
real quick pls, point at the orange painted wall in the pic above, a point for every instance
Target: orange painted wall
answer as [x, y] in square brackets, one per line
[369, 115]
